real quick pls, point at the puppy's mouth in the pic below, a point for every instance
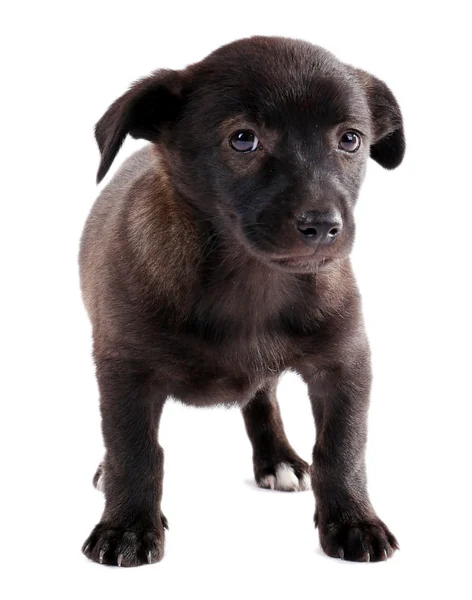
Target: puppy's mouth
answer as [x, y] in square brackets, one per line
[300, 262]
[295, 261]
[298, 259]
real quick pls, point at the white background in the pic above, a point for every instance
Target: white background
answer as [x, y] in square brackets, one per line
[62, 65]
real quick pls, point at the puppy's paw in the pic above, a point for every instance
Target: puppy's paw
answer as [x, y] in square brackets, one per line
[286, 477]
[365, 541]
[122, 547]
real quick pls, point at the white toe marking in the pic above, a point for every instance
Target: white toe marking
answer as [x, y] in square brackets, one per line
[305, 482]
[286, 480]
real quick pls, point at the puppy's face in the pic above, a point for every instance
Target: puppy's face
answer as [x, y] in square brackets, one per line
[271, 137]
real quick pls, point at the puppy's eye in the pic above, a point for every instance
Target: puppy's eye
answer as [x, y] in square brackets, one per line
[244, 141]
[350, 141]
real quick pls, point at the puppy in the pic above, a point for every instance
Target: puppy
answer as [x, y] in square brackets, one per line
[216, 259]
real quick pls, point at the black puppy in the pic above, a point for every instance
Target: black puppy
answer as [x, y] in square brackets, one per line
[217, 258]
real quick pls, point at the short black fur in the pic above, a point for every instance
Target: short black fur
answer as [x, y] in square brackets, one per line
[208, 272]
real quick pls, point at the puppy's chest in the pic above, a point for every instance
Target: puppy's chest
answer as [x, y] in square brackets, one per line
[234, 341]
[229, 369]
[247, 346]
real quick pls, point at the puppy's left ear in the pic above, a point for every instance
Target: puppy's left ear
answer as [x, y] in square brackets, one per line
[388, 145]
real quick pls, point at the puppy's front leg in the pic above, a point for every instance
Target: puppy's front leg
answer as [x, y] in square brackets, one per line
[131, 530]
[348, 525]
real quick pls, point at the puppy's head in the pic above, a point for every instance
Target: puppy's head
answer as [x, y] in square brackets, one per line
[269, 136]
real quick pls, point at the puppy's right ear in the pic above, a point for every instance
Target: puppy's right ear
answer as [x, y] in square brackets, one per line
[143, 112]
[388, 147]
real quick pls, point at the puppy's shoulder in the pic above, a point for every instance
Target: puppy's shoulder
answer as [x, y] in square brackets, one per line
[140, 235]
[160, 230]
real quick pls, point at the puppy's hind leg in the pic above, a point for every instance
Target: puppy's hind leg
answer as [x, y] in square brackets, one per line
[276, 464]
[99, 478]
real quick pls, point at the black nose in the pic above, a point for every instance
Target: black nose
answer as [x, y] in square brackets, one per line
[319, 228]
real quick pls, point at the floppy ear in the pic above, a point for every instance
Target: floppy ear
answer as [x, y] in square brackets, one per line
[142, 111]
[388, 145]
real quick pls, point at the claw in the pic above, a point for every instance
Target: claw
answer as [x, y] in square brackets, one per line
[101, 555]
[341, 553]
[367, 557]
[149, 557]
[85, 548]
[386, 555]
[120, 560]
